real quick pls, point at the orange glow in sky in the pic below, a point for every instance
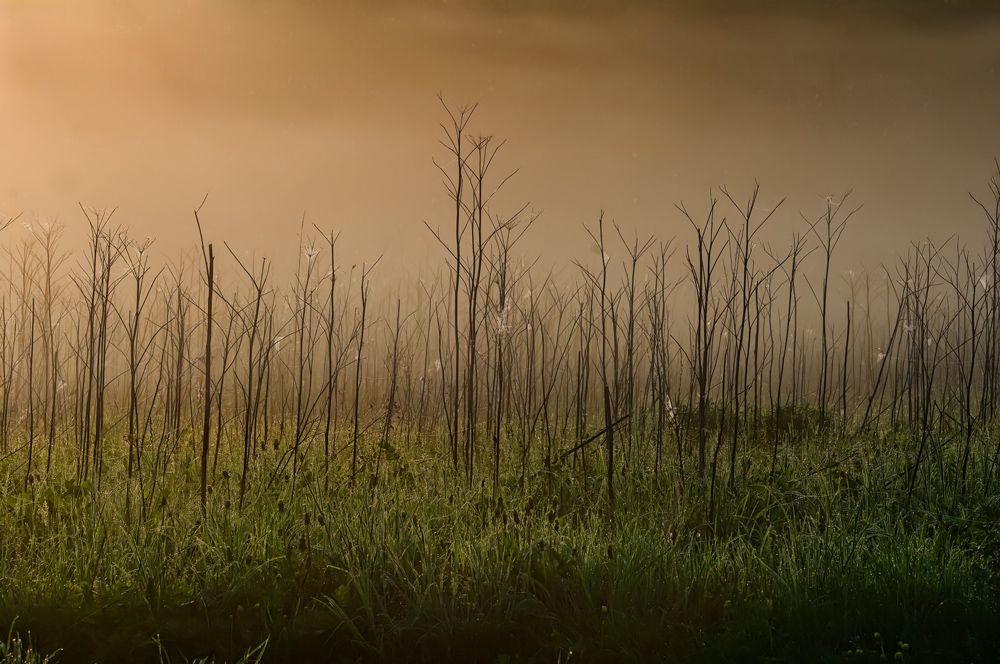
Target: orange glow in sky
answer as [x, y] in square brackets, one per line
[279, 109]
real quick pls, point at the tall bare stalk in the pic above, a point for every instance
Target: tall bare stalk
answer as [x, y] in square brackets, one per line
[709, 248]
[206, 431]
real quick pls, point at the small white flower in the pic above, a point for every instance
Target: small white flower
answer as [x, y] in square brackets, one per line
[437, 365]
[502, 327]
[501, 322]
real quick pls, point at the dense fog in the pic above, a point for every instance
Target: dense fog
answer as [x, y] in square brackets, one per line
[328, 112]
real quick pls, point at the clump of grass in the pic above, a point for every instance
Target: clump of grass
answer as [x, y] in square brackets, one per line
[15, 651]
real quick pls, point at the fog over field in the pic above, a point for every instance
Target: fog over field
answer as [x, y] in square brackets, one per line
[681, 438]
[329, 109]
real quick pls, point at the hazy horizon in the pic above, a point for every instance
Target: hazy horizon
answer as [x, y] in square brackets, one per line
[330, 111]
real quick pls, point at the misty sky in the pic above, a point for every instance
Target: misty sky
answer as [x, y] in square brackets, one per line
[329, 110]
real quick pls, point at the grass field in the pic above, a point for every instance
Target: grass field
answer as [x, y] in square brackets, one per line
[719, 453]
[825, 562]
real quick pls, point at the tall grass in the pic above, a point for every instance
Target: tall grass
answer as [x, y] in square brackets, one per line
[509, 489]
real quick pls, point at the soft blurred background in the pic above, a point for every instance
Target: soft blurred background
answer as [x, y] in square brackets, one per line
[327, 111]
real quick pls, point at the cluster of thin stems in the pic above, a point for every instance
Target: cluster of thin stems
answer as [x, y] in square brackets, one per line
[704, 363]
